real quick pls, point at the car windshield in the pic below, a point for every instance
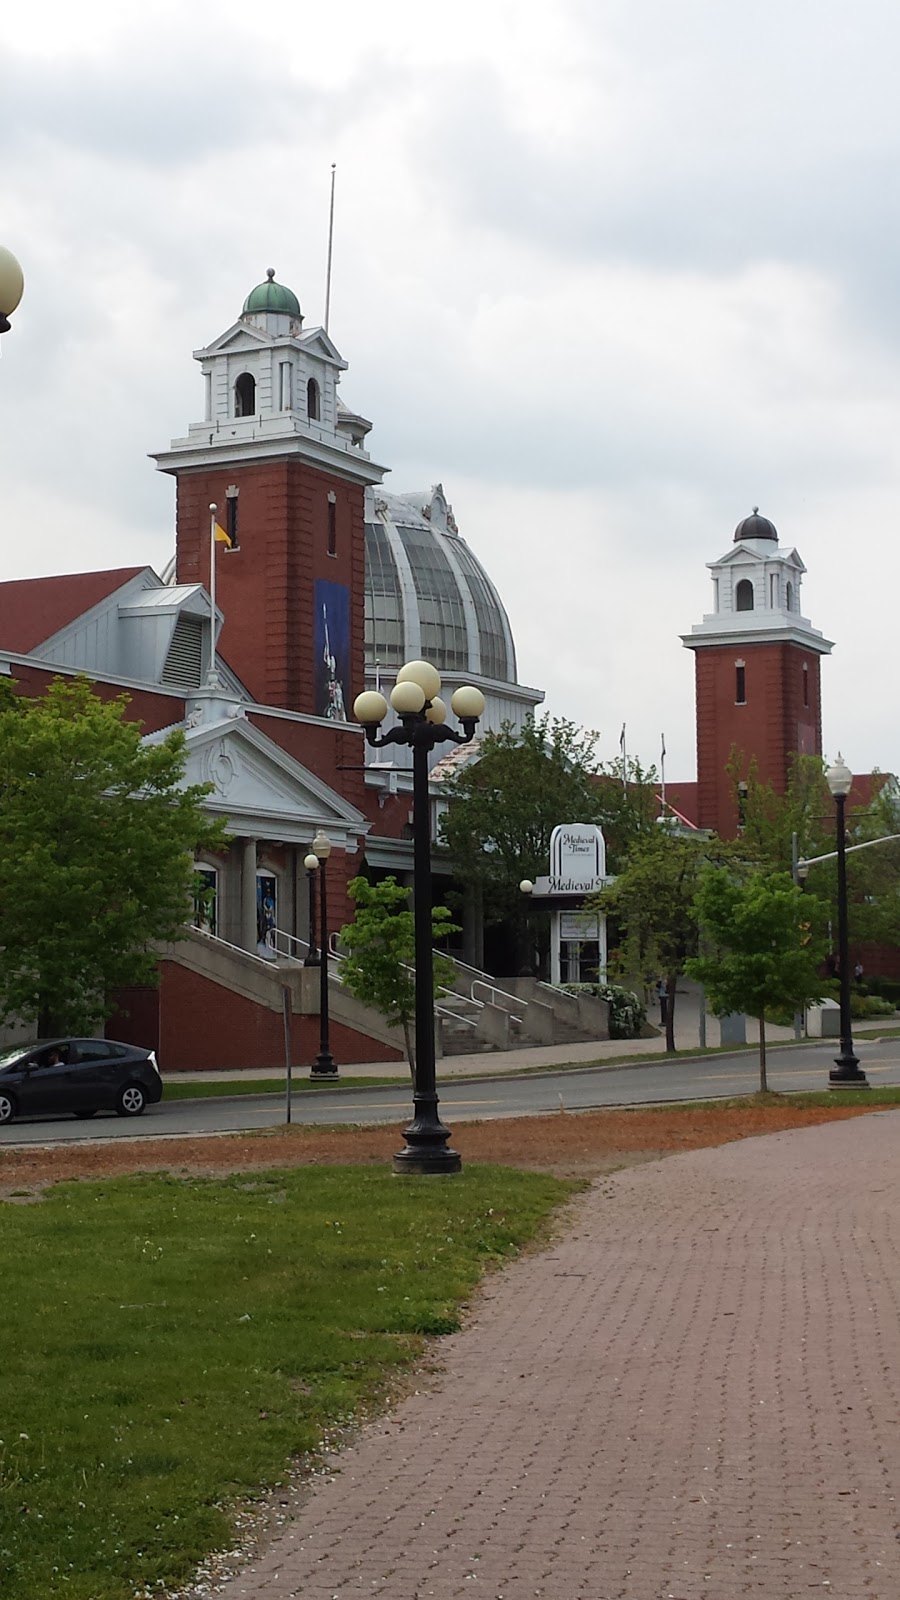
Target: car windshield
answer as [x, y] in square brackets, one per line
[13, 1055]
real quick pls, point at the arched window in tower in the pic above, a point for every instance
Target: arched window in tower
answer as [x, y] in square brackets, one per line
[245, 395]
[774, 595]
[743, 596]
[312, 400]
[805, 684]
[789, 596]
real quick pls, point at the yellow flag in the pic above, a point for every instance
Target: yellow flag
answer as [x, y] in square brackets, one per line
[221, 536]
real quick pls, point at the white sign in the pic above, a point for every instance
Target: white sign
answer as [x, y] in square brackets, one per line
[577, 927]
[577, 858]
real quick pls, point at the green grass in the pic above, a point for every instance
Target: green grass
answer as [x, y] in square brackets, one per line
[883, 1095]
[170, 1344]
[202, 1089]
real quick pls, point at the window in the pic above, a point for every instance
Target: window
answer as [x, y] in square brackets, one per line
[208, 397]
[805, 684]
[774, 596]
[245, 395]
[285, 399]
[206, 899]
[312, 400]
[790, 597]
[332, 523]
[743, 596]
[742, 804]
[715, 594]
[740, 684]
[231, 518]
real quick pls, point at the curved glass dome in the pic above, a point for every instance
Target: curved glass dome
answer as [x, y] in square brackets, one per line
[428, 596]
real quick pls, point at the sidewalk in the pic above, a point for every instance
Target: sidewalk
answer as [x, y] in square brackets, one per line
[494, 1063]
[695, 1395]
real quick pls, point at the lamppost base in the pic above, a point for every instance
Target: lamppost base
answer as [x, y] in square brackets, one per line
[842, 1079]
[324, 1066]
[422, 1160]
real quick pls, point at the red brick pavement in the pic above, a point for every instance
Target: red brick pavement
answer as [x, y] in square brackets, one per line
[694, 1396]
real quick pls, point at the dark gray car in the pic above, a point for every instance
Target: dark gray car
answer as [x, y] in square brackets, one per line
[82, 1076]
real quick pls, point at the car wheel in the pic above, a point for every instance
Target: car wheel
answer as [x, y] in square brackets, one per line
[131, 1101]
[82, 1115]
[7, 1107]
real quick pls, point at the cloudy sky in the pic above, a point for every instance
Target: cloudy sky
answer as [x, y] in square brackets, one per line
[611, 270]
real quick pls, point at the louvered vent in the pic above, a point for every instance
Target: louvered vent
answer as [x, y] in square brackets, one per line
[183, 662]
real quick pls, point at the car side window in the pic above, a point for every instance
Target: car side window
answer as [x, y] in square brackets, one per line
[90, 1050]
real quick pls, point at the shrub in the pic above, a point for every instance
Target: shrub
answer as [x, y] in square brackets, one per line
[886, 988]
[870, 1005]
[627, 1014]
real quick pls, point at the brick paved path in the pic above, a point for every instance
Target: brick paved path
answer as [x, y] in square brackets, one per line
[693, 1397]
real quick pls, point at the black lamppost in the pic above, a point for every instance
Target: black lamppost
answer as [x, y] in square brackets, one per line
[847, 1076]
[12, 283]
[415, 698]
[311, 863]
[324, 1065]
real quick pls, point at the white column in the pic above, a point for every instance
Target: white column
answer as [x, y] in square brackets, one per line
[248, 894]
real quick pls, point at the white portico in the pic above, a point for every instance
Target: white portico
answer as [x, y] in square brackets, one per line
[273, 807]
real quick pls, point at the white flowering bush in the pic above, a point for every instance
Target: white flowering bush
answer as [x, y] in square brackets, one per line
[627, 1013]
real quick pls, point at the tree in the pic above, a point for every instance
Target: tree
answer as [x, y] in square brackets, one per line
[806, 812]
[381, 941]
[652, 901]
[97, 834]
[504, 806]
[763, 947]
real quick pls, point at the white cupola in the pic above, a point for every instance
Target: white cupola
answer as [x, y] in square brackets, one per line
[756, 593]
[270, 389]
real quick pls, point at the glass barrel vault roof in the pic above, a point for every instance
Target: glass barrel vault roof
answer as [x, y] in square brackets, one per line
[427, 594]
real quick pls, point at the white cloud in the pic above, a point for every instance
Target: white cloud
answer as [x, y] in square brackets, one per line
[612, 273]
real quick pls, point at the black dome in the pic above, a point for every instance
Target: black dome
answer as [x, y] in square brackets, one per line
[755, 527]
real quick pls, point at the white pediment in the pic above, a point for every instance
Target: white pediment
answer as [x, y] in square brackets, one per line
[262, 791]
[240, 336]
[746, 554]
[317, 343]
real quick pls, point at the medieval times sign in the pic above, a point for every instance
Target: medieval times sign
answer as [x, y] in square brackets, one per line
[577, 861]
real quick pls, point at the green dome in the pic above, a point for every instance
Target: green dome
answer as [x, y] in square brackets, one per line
[272, 296]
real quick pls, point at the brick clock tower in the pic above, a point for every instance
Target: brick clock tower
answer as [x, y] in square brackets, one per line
[286, 466]
[757, 670]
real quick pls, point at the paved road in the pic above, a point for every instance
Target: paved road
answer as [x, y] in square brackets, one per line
[805, 1067]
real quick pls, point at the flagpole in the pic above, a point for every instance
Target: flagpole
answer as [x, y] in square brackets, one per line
[662, 770]
[624, 761]
[330, 243]
[212, 677]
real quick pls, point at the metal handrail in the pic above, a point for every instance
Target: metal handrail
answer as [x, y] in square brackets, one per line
[249, 955]
[492, 989]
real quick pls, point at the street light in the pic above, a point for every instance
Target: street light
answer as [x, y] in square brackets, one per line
[847, 1076]
[12, 284]
[311, 864]
[416, 699]
[324, 1065]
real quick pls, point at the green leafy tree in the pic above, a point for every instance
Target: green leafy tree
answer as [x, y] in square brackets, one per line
[97, 834]
[652, 902]
[762, 947]
[806, 810]
[504, 806]
[770, 820]
[381, 944]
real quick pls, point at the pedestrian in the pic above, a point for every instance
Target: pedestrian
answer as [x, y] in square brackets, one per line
[662, 995]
